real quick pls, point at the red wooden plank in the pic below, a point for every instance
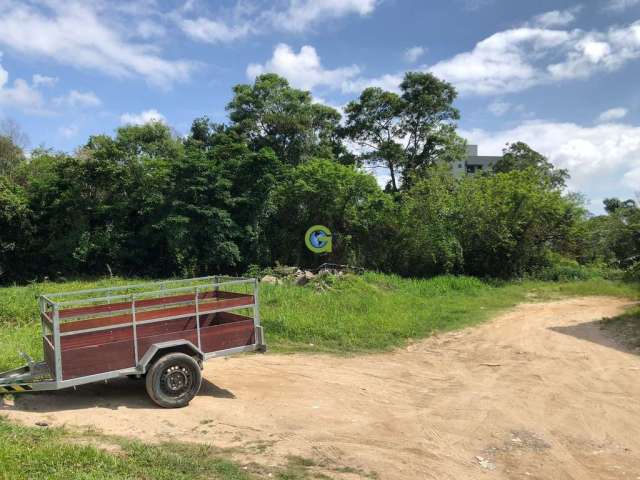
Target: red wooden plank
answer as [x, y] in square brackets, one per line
[229, 335]
[95, 359]
[145, 343]
[155, 314]
[176, 325]
[114, 307]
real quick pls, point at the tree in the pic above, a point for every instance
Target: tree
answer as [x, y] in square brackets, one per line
[350, 203]
[508, 222]
[13, 141]
[406, 133]
[15, 232]
[270, 113]
[611, 205]
[11, 155]
[429, 240]
[216, 219]
[520, 156]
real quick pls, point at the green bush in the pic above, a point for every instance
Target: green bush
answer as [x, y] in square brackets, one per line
[560, 269]
[632, 273]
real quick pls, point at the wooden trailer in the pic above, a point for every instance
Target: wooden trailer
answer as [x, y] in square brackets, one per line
[163, 331]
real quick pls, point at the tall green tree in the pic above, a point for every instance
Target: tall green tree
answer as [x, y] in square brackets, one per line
[16, 254]
[508, 222]
[347, 201]
[218, 207]
[520, 156]
[11, 155]
[407, 132]
[270, 113]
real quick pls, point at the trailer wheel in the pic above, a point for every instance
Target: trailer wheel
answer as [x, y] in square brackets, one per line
[173, 380]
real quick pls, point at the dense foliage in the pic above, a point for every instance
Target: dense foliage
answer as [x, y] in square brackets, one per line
[145, 202]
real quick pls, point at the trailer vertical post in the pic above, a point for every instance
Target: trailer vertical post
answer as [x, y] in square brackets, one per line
[57, 346]
[256, 313]
[42, 308]
[198, 317]
[135, 328]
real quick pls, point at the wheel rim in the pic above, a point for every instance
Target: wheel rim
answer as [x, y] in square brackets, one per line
[176, 381]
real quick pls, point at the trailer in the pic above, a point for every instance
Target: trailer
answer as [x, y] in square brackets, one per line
[159, 331]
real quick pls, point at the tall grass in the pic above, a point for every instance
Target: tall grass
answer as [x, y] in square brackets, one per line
[375, 312]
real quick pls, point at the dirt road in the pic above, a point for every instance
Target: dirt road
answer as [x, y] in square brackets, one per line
[539, 393]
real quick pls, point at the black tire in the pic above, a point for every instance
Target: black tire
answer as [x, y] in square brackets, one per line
[173, 380]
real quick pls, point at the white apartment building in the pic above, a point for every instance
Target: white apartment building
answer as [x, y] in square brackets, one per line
[474, 162]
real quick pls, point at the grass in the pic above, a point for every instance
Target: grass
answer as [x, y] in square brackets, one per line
[347, 315]
[376, 312]
[52, 453]
[36, 453]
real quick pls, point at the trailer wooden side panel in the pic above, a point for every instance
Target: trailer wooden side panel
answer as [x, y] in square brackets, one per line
[94, 359]
[205, 307]
[108, 350]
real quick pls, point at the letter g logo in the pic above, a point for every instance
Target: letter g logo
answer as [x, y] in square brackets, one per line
[318, 239]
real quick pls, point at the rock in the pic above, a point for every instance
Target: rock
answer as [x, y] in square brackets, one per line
[304, 278]
[486, 464]
[301, 280]
[269, 279]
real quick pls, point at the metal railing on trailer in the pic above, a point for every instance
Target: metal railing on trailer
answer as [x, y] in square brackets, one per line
[136, 299]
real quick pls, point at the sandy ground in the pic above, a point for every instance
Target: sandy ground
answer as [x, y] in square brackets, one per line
[539, 393]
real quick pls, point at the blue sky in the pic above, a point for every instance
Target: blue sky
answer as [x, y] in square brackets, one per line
[559, 75]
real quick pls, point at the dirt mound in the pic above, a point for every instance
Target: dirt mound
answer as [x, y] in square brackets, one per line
[540, 392]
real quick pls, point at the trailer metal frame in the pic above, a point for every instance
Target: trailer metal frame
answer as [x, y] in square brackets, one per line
[37, 376]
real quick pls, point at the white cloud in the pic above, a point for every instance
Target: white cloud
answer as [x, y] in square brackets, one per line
[213, 31]
[389, 81]
[301, 14]
[499, 108]
[304, 69]
[520, 58]
[43, 80]
[412, 54]
[74, 33]
[19, 95]
[613, 114]
[603, 160]
[556, 18]
[78, 99]
[254, 17]
[146, 116]
[621, 5]
[501, 62]
[149, 29]
[598, 51]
